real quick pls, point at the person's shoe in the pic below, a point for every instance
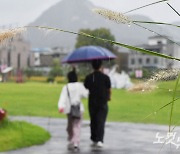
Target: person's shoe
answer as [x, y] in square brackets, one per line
[70, 146]
[76, 147]
[99, 144]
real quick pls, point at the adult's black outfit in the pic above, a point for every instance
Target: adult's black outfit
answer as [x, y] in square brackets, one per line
[99, 86]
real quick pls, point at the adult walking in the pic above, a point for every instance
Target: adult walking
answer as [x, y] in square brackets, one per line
[99, 87]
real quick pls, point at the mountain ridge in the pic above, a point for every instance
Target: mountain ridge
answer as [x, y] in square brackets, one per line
[74, 15]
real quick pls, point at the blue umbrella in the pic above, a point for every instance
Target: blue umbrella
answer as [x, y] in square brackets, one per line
[88, 53]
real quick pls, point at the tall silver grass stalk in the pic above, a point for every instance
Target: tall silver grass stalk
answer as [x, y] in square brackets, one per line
[173, 101]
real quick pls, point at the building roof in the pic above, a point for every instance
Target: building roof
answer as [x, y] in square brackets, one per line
[158, 36]
[157, 46]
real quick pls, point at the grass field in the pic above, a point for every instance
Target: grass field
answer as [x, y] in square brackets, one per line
[40, 99]
[15, 135]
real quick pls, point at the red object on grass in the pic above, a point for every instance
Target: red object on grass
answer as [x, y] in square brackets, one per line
[2, 114]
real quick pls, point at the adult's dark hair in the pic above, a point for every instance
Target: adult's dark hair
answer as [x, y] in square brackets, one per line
[96, 64]
[72, 76]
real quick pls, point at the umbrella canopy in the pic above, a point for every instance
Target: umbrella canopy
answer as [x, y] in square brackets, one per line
[88, 53]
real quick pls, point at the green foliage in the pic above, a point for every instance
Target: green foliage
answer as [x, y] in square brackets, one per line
[17, 134]
[4, 122]
[50, 79]
[84, 41]
[101, 32]
[55, 71]
[147, 73]
[83, 70]
[31, 72]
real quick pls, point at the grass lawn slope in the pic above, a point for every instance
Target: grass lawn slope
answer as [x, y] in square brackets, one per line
[40, 99]
[17, 134]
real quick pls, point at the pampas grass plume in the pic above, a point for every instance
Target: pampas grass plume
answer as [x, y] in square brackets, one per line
[10, 33]
[112, 15]
[143, 87]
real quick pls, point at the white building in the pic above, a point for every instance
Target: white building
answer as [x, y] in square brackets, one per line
[160, 44]
[16, 53]
[44, 56]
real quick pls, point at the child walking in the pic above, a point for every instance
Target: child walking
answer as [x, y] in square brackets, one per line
[71, 94]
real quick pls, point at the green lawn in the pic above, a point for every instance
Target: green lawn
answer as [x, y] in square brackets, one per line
[40, 99]
[15, 135]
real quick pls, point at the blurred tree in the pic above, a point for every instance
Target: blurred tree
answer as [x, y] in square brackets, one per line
[31, 72]
[55, 70]
[84, 41]
[101, 32]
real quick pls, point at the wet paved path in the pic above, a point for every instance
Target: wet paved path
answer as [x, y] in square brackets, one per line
[120, 138]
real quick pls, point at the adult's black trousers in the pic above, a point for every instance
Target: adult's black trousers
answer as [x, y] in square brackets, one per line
[98, 114]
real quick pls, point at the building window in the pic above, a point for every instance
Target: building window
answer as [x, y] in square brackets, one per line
[9, 58]
[159, 42]
[155, 60]
[19, 61]
[147, 61]
[140, 61]
[132, 61]
[36, 59]
[29, 62]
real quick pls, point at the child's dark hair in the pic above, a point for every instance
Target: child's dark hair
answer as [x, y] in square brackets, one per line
[72, 76]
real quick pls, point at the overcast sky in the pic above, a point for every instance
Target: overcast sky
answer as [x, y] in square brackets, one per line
[22, 12]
